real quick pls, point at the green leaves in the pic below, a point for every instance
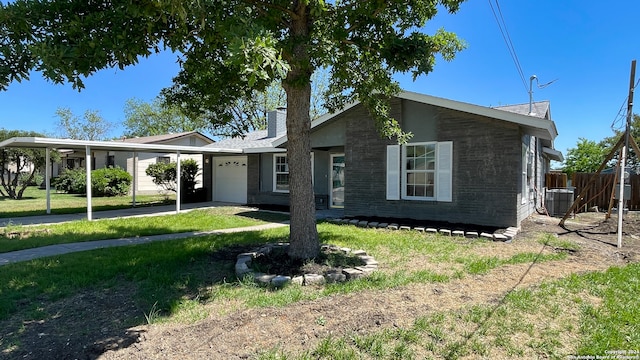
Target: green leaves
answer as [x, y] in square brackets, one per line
[16, 161]
[70, 40]
[587, 156]
[259, 59]
[92, 126]
[230, 48]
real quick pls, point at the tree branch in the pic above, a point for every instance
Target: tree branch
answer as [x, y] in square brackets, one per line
[289, 12]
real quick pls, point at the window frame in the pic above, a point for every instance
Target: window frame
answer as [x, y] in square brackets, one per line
[163, 159]
[275, 172]
[405, 172]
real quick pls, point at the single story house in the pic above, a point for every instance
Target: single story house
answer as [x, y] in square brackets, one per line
[464, 164]
[75, 158]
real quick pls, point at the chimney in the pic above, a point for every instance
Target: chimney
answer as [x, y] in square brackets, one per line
[277, 122]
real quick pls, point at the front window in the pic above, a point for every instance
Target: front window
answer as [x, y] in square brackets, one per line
[111, 161]
[281, 183]
[419, 165]
[163, 160]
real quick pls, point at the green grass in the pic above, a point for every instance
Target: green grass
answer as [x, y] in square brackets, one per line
[26, 237]
[165, 273]
[483, 265]
[557, 243]
[34, 203]
[177, 281]
[528, 323]
[170, 268]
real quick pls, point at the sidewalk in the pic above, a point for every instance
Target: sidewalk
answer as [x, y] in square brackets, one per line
[52, 250]
[60, 249]
[108, 214]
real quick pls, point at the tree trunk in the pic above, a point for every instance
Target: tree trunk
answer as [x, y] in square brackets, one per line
[303, 236]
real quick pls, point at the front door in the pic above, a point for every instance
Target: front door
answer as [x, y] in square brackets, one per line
[336, 193]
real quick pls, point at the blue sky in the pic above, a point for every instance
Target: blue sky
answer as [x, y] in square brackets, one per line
[586, 45]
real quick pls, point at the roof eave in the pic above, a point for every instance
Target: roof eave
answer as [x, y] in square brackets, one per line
[545, 129]
[553, 154]
[40, 142]
[263, 150]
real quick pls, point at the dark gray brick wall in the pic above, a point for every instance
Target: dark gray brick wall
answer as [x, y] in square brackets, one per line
[254, 194]
[486, 169]
[207, 175]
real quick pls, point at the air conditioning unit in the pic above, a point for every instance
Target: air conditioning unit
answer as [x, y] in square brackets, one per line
[558, 201]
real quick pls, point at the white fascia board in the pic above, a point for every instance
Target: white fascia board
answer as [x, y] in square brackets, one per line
[39, 142]
[264, 150]
[548, 127]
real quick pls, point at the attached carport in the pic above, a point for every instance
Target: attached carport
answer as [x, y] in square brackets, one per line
[89, 146]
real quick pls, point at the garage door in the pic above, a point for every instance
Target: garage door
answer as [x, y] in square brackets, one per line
[230, 179]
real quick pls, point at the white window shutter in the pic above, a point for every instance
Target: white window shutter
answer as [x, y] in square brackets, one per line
[393, 172]
[444, 183]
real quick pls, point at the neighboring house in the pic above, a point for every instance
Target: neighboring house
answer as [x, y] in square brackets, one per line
[73, 159]
[464, 164]
[144, 183]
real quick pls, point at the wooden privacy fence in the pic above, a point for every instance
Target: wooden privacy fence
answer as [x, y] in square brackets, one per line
[555, 180]
[600, 192]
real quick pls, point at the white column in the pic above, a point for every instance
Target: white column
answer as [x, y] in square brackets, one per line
[47, 178]
[87, 165]
[178, 182]
[135, 176]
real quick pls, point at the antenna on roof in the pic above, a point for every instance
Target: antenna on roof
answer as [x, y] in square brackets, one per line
[531, 93]
[533, 77]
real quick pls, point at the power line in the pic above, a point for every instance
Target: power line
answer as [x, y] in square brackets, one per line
[507, 39]
[621, 118]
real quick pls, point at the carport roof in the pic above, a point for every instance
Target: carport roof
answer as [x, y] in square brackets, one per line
[62, 144]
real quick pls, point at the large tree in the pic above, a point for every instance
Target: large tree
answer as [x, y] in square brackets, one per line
[231, 48]
[18, 166]
[249, 113]
[91, 126]
[156, 118]
[587, 156]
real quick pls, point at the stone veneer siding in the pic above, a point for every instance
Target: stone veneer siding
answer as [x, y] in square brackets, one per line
[486, 170]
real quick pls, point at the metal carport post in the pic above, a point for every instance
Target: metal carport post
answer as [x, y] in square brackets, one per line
[47, 178]
[88, 186]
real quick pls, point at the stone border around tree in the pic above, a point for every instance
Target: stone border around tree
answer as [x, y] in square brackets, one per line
[503, 235]
[243, 268]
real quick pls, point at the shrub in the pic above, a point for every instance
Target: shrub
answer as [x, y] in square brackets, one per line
[35, 181]
[113, 181]
[104, 182]
[164, 175]
[71, 181]
[190, 170]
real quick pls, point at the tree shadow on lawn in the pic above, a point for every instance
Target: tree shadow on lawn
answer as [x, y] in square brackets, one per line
[268, 216]
[93, 300]
[78, 209]
[28, 238]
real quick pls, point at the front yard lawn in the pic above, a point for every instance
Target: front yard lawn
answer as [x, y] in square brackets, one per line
[432, 297]
[16, 237]
[34, 202]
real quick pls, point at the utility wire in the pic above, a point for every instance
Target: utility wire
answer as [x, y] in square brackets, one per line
[620, 120]
[507, 39]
